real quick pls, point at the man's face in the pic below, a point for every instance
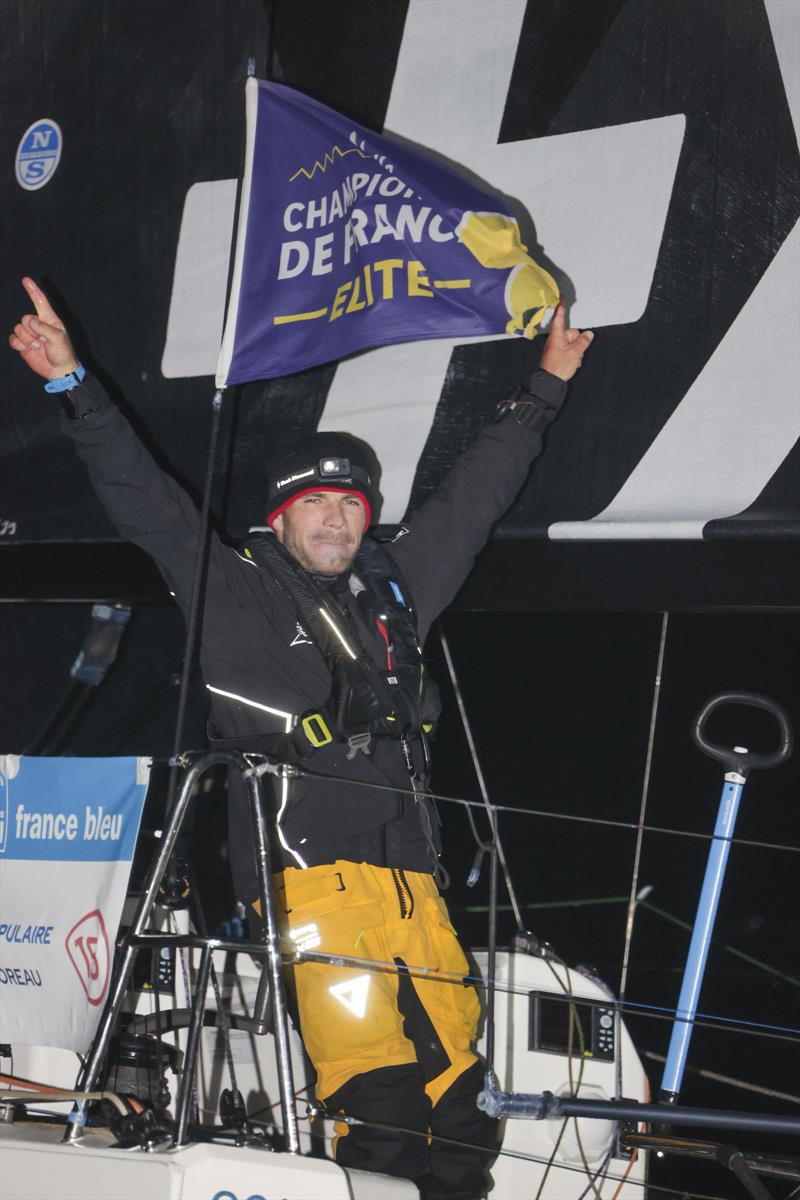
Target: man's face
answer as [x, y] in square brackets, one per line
[323, 530]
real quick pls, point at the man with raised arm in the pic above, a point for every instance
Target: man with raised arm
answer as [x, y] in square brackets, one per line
[310, 650]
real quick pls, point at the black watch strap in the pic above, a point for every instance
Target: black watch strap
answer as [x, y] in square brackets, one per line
[537, 408]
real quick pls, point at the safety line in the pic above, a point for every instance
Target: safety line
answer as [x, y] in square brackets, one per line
[744, 1026]
[783, 1033]
[540, 812]
[637, 1008]
[523, 812]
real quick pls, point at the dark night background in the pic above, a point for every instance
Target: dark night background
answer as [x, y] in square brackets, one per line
[555, 644]
[560, 707]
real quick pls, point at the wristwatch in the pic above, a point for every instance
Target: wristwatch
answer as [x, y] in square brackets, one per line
[67, 382]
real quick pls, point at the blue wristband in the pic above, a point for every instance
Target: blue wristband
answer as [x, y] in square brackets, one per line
[67, 382]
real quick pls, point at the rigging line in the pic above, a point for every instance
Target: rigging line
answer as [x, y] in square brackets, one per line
[637, 855]
[669, 1193]
[631, 1164]
[785, 1033]
[730, 1080]
[639, 1008]
[780, 1033]
[531, 905]
[756, 962]
[596, 901]
[566, 988]
[742, 1025]
[56, 1095]
[323, 777]
[635, 897]
[600, 1174]
[575, 1086]
[493, 824]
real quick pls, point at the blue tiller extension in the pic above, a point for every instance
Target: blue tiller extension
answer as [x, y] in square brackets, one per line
[738, 763]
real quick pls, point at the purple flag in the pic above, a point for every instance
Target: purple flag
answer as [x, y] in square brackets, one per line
[348, 240]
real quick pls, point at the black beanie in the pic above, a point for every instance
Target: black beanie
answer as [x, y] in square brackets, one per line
[335, 462]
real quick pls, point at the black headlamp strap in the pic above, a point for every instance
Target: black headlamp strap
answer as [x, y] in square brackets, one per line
[309, 476]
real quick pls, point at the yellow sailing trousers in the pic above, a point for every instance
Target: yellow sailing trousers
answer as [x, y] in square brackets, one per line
[361, 1017]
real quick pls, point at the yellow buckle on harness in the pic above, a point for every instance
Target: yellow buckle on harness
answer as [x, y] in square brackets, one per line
[316, 730]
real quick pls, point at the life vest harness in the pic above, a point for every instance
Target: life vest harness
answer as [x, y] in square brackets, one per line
[366, 701]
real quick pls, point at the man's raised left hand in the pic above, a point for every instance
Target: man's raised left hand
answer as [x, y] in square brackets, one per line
[564, 348]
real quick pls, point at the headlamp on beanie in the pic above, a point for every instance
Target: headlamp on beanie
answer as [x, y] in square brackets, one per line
[334, 467]
[328, 462]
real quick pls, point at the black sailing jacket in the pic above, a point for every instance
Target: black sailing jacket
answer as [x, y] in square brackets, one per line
[261, 670]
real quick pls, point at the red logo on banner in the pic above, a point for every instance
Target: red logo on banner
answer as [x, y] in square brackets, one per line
[87, 947]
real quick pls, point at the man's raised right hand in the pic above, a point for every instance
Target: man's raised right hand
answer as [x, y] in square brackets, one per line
[42, 341]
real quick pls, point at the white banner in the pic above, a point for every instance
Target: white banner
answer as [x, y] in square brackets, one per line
[68, 829]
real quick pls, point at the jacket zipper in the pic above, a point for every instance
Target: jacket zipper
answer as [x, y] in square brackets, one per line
[404, 894]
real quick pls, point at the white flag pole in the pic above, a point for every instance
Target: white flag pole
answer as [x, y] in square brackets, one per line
[226, 349]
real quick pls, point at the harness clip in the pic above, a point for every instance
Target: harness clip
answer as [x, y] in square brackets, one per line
[359, 741]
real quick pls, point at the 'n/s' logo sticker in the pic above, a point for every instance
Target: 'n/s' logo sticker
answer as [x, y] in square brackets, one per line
[38, 154]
